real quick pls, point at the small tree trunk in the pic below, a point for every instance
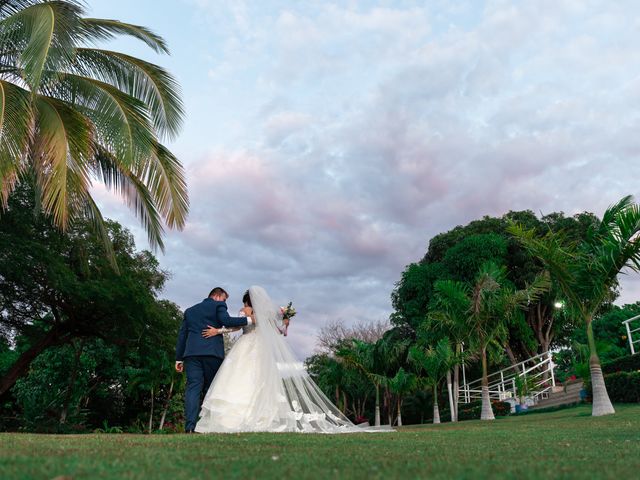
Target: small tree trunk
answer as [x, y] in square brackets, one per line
[436, 410]
[166, 405]
[487, 411]
[21, 366]
[70, 384]
[399, 411]
[450, 390]
[601, 402]
[151, 412]
[377, 420]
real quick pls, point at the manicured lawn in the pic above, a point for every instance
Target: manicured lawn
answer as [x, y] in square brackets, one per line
[563, 444]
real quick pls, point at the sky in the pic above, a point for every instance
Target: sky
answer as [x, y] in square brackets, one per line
[326, 142]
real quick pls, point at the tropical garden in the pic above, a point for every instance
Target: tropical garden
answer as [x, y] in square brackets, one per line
[86, 339]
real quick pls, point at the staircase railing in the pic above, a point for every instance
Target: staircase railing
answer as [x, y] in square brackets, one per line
[537, 370]
[633, 326]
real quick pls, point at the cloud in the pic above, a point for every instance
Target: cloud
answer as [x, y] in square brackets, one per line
[349, 133]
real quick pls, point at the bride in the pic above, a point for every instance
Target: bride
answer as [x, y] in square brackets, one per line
[261, 387]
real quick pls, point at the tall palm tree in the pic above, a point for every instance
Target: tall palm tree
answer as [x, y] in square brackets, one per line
[402, 384]
[492, 305]
[71, 114]
[587, 272]
[435, 362]
[448, 313]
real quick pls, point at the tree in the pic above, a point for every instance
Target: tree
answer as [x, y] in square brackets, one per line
[586, 271]
[58, 287]
[493, 304]
[335, 333]
[365, 356]
[402, 384]
[435, 363]
[447, 316]
[71, 114]
[457, 255]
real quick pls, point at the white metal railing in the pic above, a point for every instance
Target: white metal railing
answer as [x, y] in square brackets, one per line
[633, 326]
[502, 385]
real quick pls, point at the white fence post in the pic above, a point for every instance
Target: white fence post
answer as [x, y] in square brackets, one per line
[626, 324]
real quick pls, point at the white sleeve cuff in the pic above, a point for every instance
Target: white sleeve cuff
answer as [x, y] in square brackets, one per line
[249, 321]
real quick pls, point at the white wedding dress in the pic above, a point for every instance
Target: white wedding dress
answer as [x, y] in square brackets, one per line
[262, 387]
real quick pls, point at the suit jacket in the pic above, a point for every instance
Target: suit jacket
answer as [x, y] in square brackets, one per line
[191, 343]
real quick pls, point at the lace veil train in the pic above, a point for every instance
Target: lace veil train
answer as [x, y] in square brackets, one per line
[303, 406]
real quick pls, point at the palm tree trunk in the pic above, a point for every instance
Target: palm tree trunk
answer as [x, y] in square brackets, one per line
[487, 411]
[436, 410]
[450, 390]
[151, 413]
[601, 402]
[166, 405]
[456, 382]
[399, 411]
[377, 420]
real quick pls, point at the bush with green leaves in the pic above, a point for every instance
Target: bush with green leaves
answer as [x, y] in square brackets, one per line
[623, 387]
[628, 363]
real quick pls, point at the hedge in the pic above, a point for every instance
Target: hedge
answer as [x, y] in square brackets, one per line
[623, 387]
[472, 411]
[629, 363]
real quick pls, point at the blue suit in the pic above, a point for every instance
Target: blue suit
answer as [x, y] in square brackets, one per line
[202, 357]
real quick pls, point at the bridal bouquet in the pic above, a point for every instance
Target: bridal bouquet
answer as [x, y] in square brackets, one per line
[287, 313]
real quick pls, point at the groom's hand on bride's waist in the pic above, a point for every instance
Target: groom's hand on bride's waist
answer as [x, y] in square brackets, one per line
[211, 331]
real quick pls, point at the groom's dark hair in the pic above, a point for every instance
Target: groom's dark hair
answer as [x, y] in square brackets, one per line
[218, 291]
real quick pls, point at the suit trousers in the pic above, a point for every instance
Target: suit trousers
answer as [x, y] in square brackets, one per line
[200, 372]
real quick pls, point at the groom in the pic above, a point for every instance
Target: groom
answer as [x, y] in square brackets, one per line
[201, 357]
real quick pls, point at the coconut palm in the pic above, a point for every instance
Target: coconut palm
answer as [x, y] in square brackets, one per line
[72, 114]
[587, 272]
[435, 363]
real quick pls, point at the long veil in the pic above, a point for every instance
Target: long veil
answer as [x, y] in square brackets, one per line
[304, 408]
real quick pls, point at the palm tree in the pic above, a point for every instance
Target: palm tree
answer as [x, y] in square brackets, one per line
[492, 304]
[435, 363]
[448, 313]
[364, 356]
[587, 272]
[71, 114]
[402, 384]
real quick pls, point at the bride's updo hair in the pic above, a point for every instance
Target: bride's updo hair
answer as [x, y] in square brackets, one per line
[246, 299]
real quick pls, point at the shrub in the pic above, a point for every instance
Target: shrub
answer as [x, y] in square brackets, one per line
[471, 411]
[628, 363]
[623, 387]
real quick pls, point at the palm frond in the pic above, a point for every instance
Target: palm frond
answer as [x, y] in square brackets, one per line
[106, 29]
[48, 33]
[62, 155]
[16, 118]
[138, 197]
[147, 82]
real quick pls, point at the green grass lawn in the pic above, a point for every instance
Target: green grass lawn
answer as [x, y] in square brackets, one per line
[563, 444]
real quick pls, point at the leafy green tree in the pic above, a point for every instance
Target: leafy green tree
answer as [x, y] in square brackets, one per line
[57, 287]
[72, 113]
[587, 270]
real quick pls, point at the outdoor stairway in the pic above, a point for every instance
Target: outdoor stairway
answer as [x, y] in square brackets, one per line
[569, 394]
